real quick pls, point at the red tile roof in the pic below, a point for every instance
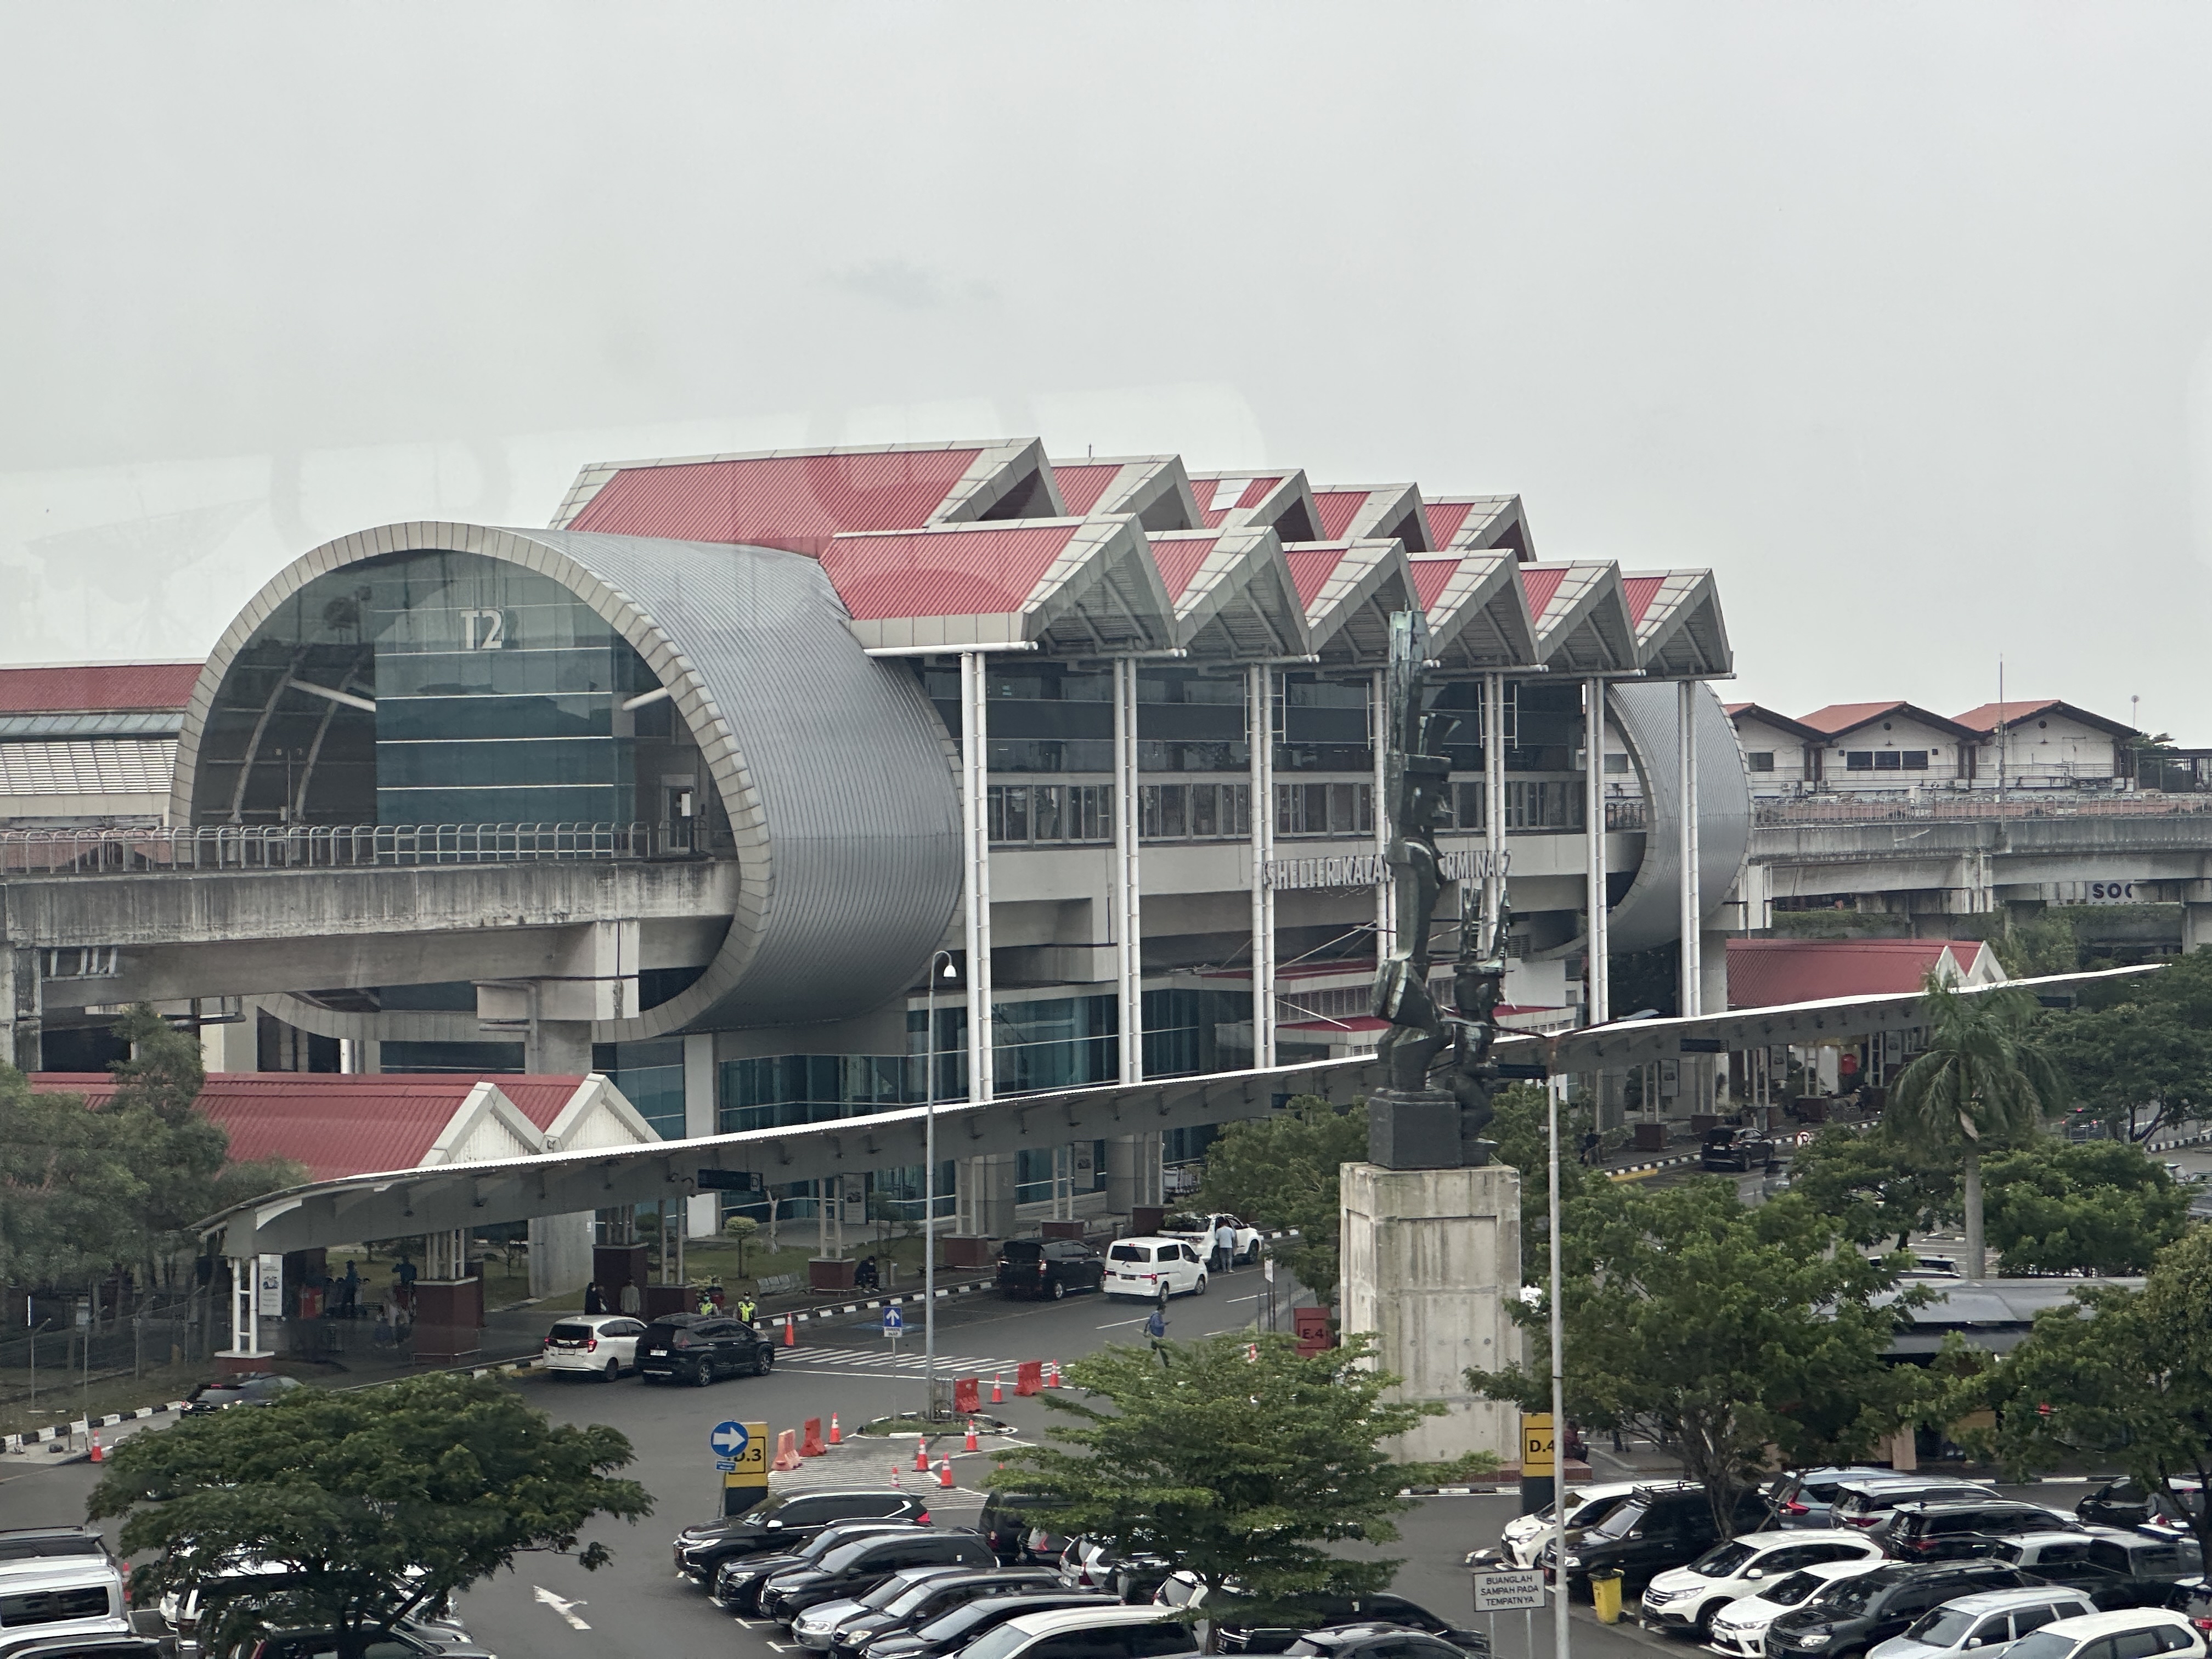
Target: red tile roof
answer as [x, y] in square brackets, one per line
[336, 1124]
[1765, 973]
[794, 502]
[97, 687]
[1080, 486]
[1179, 560]
[1983, 719]
[1540, 582]
[960, 573]
[1640, 590]
[1430, 576]
[1838, 718]
[1337, 508]
[1311, 567]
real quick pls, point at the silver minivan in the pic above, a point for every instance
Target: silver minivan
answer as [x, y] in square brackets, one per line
[1988, 1622]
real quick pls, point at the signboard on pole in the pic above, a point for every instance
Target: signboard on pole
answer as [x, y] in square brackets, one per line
[741, 1457]
[894, 1321]
[1537, 1443]
[1508, 1592]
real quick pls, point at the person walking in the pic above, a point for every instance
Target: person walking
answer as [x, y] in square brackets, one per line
[1156, 1327]
[594, 1301]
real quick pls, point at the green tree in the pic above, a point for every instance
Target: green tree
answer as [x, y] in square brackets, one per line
[1873, 1184]
[354, 1491]
[68, 1196]
[1727, 1330]
[1240, 1461]
[1982, 1080]
[2045, 943]
[2131, 1381]
[2098, 1206]
[2138, 1053]
[1523, 1130]
[1282, 1171]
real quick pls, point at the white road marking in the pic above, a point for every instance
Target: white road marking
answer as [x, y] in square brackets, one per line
[565, 1609]
[1120, 1323]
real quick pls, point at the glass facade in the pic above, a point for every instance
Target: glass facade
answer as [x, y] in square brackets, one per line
[651, 1078]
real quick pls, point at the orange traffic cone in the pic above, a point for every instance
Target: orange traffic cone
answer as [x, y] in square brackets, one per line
[970, 1446]
[790, 1332]
[835, 1438]
[998, 1394]
[897, 1478]
[98, 1456]
[944, 1472]
[1052, 1374]
[921, 1454]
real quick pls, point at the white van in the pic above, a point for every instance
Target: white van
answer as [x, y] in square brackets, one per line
[47, 1598]
[1099, 1632]
[1154, 1268]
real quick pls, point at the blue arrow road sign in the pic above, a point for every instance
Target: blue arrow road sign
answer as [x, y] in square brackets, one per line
[728, 1440]
[894, 1321]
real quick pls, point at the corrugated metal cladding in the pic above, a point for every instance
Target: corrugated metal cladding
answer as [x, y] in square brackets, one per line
[1310, 569]
[1430, 578]
[1180, 558]
[1080, 486]
[1337, 508]
[950, 573]
[1640, 590]
[104, 723]
[1540, 586]
[107, 766]
[1650, 913]
[847, 756]
[776, 500]
[1445, 519]
[162, 685]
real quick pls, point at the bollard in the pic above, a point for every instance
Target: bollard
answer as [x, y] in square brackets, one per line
[835, 1438]
[945, 1472]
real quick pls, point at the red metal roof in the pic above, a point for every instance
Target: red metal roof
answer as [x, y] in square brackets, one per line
[1214, 512]
[1311, 567]
[339, 1125]
[1983, 719]
[1540, 582]
[1337, 508]
[97, 687]
[1765, 973]
[1179, 560]
[1640, 590]
[1080, 486]
[1740, 711]
[795, 501]
[959, 573]
[1445, 519]
[1838, 718]
[1430, 576]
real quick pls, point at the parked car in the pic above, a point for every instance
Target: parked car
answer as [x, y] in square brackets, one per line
[855, 1569]
[949, 1633]
[23, 1543]
[1199, 1230]
[2143, 1633]
[1012, 1521]
[1945, 1532]
[1523, 1539]
[1099, 1632]
[92, 1647]
[1236, 1633]
[2117, 1570]
[929, 1599]
[696, 1348]
[737, 1583]
[2129, 1502]
[601, 1344]
[1654, 1529]
[48, 1597]
[1739, 1629]
[1989, 1622]
[1727, 1147]
[1381, 1641]
[246, 1389]
[1801, 1498]
[1852, 1615]
[1153, 1269]
[816, 1628]
[324, 1644]
[1687, 1598]
[1867, 1504]
[782, 1525]
[1049, 1267]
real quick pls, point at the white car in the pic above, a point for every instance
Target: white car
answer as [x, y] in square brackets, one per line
[817, 1626]
[1522, 1537]
[603, 1344]
[1154, 1268]
[1198, 1231]
[1739, 1629]
[1989, 1622]
[2139, 1633]
[1690, 1598]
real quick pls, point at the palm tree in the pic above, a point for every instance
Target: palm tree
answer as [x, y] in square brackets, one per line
[1981, 1077]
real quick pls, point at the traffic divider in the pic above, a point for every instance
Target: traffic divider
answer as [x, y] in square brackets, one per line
[968, 1395]
[1029, 1377]
[811, 1446]
[786, 1452]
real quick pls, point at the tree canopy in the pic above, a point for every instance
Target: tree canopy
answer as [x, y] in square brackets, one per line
[1728, 1329]
[2138, 1053]
[371, 1503]
[2098, 1206]
[1873, 1184]
[1281, 1171]
[1240, 1460]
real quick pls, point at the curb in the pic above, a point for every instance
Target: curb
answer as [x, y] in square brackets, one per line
[1630, 1171]
[2179, 1142]
[15, 1442]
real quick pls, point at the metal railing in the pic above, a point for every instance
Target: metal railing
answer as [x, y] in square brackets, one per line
[319, 846]
[1782, 814]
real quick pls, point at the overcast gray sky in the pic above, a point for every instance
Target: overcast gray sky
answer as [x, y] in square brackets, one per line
[1896, 316]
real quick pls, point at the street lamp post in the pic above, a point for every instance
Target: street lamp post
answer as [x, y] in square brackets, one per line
[929, 1188]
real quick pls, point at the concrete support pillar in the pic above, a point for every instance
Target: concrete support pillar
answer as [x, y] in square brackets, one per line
[558, 1047]
[1259, 739]
[1690, 981]
[1712, 970]
[975, 833]
[1493, 796]
[1378, 732]
[21, 1007]
[985, 1195]
[1135, 1176]
[702, 1116]
[560, 1252]
[2196, 927]
[1128, 891]
[1597, 952]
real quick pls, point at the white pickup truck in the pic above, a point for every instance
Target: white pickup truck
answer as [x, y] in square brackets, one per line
[1199, 1229]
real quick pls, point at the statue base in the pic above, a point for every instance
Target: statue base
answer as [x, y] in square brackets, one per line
[1419, 1131]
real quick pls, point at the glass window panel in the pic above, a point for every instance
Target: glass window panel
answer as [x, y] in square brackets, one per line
[1204, 809]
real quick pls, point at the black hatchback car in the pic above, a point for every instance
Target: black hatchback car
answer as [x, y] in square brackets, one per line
[1727, 1147]
[1652, 1529]
[248, 1389]
[696, 1348]
[1049, 1267]
[1853, 1614]
[782, 1524]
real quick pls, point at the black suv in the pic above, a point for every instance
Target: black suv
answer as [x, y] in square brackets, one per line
[696, 1348]
[1950, 1532]
[1726, 1148]
[858, 1567]
[1333, 1617]
[949, 1633]
[1867, 1504]
[1853, 1614]
[737, 1583]
[782, 1524]
[1049, 1267]
[1011, 1519]
[919, 1603]
[1648, 1532]
[2129, 1502]
[248, 1389]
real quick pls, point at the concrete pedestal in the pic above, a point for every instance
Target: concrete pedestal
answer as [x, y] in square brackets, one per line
[1431, 1260]
[448, 1320]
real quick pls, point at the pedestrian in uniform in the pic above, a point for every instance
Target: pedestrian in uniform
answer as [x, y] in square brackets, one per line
[747, 1308]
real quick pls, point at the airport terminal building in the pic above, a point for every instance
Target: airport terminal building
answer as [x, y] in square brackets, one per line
[876, 775]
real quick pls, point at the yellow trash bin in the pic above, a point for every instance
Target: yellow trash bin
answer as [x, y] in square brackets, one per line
[1605, 1594]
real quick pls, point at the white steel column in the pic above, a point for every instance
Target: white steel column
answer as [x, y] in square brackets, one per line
[1128, 904]
[976, 826]
[1378, 721]
[1693, 910]
[1493, 796]
[1259, 729]
[1598, 948]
